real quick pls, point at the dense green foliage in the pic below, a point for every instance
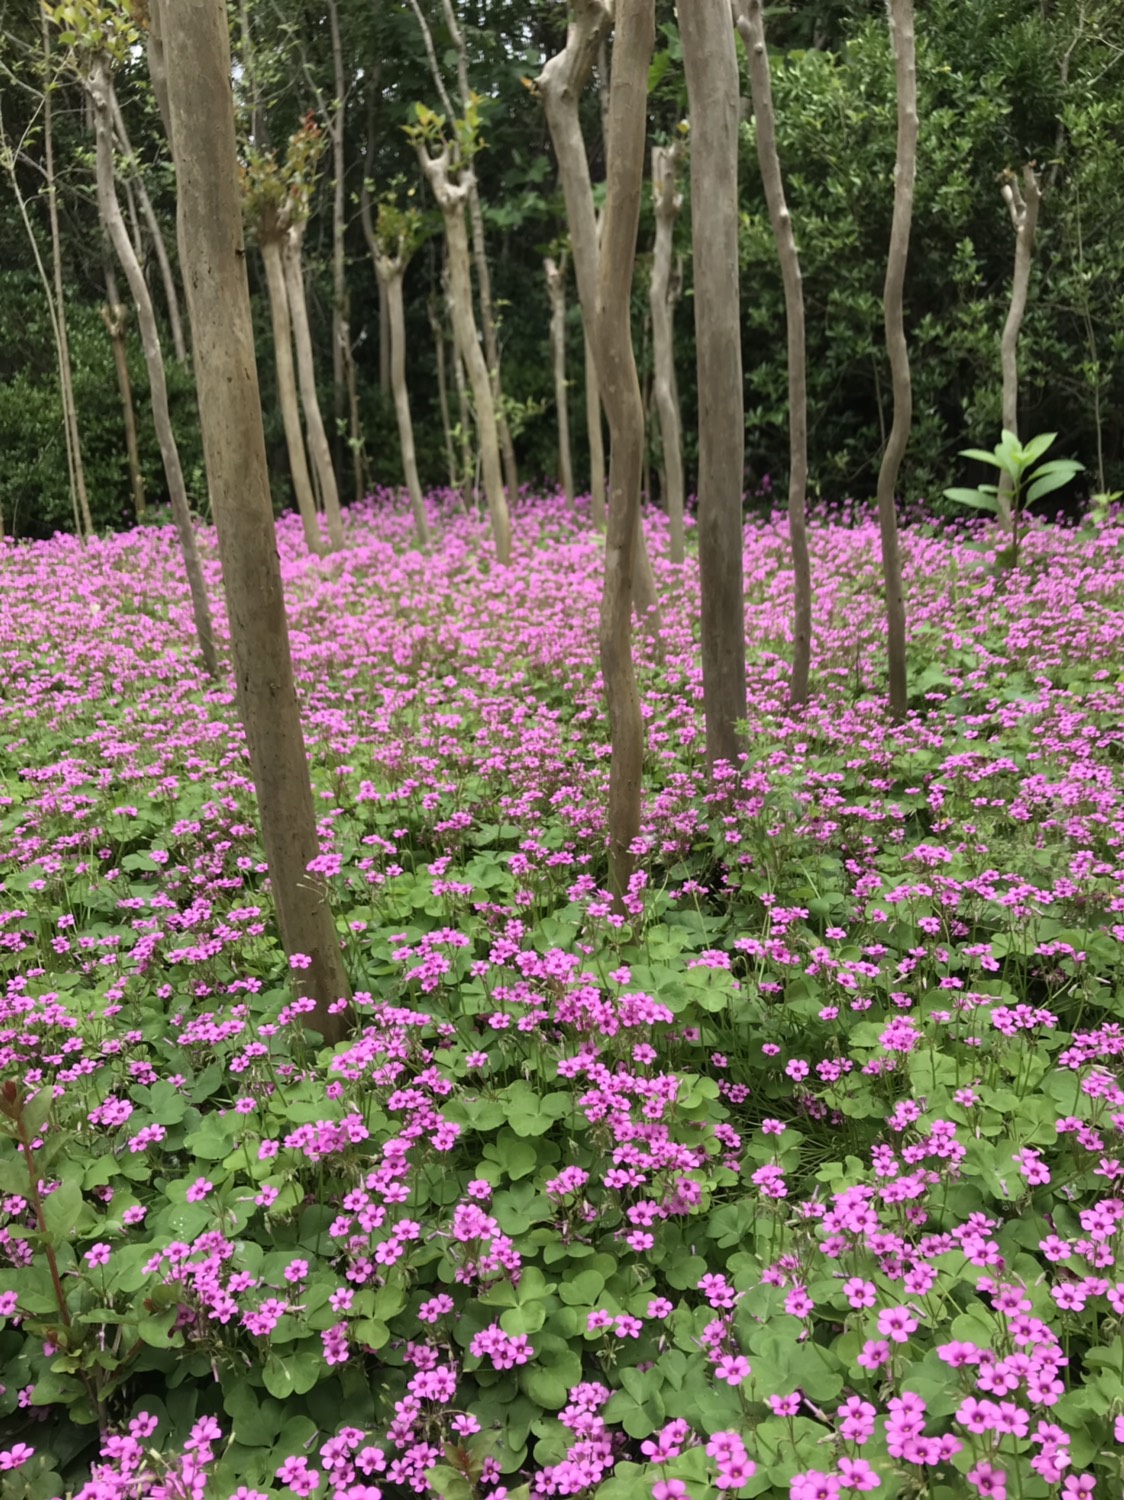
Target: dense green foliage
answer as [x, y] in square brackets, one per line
[1000, 84]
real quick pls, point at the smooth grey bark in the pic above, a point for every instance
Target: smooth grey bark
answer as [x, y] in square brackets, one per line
[604, 275]
[476, 225]
[560, 85]
[99, 83]
[556, 288]
[663, 293]
[148, 213]
[437, 328]
[214, 266]
[75, 465]
[114, 315]
[319, 451]
[367, 220]
[346, 400]
[905, 173]
[751, 26]
[1023, 206]
[451, 197]
[390, 269]
[597, 500]
[468, 458]
[710, 65]
[271, 244]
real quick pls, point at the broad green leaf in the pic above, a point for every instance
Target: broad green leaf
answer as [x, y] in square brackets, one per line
[1037, 447]
[975, 498]
[1045, 483]
[982, 456]
[61, 1209]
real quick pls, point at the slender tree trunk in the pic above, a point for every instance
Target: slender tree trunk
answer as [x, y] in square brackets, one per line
[148, 213]
[80, 495]
[273, 258]
[230, 409]
[596, 438]
[114, 315]
[391, 269]
[437, 328]
[751, 25]
[343, 365]
[8, 157]
[604, 278]
[711, 67]
[560, 85]
[451, 199]
[620, 389]
[318, 448]
[476, 221]
[556, 287]
[468, 464]
[905, 172]
[384, 342]
[663, 295]
[100, 85]
[1023, 207]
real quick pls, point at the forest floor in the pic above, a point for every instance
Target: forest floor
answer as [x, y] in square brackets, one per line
[803, 1180]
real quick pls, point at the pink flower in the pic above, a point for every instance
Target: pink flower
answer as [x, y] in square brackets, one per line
[896, 1323]
[732, 1368]
[856, 1474]
[199, 1190]
[873, 1354]
[97, 1255]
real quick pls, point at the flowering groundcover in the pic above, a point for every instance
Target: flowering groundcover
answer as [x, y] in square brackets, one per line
[804, 1179]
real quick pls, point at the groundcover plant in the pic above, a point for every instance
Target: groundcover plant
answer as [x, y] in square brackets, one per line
[802, 1179]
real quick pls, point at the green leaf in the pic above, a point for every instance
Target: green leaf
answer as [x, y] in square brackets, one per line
[36, 1111]
[1036, 447]
[978, 499]
[1044, 483]
[61, 1210]
[982, 456]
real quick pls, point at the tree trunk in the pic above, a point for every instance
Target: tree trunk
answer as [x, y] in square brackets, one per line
[451, 200]
[476, 220]
[343, 365]
[384, 342]
[437, 328]
[620, 390]
[391, 269]
[597, 504]
[560, 85]
[1023, 207]
[100, 85]
[367, 220]
[114, 314]
[556, 287]
[76, 467]
[148, 213]
[468, 464]
[663, 295]
[711, 67]
[604, 277]
[905, 172]
[210, 207]
[273, 258]
[751, 25]
[318, 449]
